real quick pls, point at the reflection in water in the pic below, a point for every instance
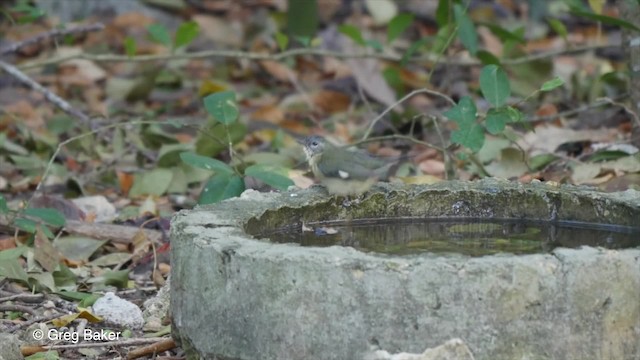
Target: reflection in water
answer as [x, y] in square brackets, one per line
[470, 237]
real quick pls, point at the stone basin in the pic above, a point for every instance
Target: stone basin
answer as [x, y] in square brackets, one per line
[234, 296]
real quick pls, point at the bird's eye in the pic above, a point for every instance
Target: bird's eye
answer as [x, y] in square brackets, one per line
[314, 143]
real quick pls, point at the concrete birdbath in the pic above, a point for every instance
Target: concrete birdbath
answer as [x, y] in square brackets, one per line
[237, 295]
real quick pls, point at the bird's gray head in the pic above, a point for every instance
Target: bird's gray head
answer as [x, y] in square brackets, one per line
[313, 145]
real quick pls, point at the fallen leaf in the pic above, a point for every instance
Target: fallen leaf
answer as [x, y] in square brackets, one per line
[382, 11]
[279, 70]
[432, 167]
[271, 113]
[331, 101]
[44, 252]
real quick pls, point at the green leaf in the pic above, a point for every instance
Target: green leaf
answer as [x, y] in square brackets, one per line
[487, 58]
[552, 84]
[154, 182]
[464, 113]
[442, 39]
[214, 139]
[221, 187]
[270, 175]
[469, 133]
[64, 278]
[186, 33]
[159, 34]
[393, 77]
[48, 216]
[494, 84]
[353, 33]
[12, 269]
[538, 162]
[411, 50]
[206, 163]
[471, 137]
[3, 205]
[304, 40]
[222, 106]
[504, 34]
[605, 19]
[77, 248]
[597, 5]
[169, 154]
[515, 115]
[559, 27]
[13, 253]
[398, 25]
[282, 40]
[466, 29]
[119, 279]
[496, 120]
[24, 224]
[443, 13]
[374, 44]
[130, 46]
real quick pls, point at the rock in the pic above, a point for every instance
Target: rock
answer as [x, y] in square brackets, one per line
[9, 347]
[454, 349]
[118, 311]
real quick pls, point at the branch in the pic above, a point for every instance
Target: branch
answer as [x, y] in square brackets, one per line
[429, 58]
[51, 34]
[409, 95]
[53, 98]
[596, 104]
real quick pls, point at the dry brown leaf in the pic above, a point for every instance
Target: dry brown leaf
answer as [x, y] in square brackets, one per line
[7, 242]
[299, 180]
[44, 252]
[331, 101]
[125, 180]
[128, 20]
[278, 70]
[271, 113]
[220, 30]
[369, 77]
[336, 68]
[491, 42]
[26, 113]
[432, 167]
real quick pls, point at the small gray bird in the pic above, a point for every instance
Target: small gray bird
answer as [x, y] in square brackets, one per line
[341, 171]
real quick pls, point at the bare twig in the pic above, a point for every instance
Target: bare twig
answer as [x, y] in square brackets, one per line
[28, 298]
[129, 342]
[409, 95]
[596, 104]
[18, 308]
[429, 58]
[624, 107]
[51, 34]
[78, 137]
[160, 346]
[53, 98]
[33, 321]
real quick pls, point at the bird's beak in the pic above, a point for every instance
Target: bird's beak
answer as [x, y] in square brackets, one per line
[300, 141]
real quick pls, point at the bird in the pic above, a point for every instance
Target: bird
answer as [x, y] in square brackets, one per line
[341, 171]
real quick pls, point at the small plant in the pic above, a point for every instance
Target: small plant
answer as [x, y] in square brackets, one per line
[496, 89]
[32, 219]
[228, 181]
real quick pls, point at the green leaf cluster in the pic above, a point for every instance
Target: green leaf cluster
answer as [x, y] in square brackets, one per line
[496, 89]
[184, 35]
[229, 181]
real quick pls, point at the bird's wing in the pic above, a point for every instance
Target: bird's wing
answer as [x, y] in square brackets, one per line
[353, 165]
